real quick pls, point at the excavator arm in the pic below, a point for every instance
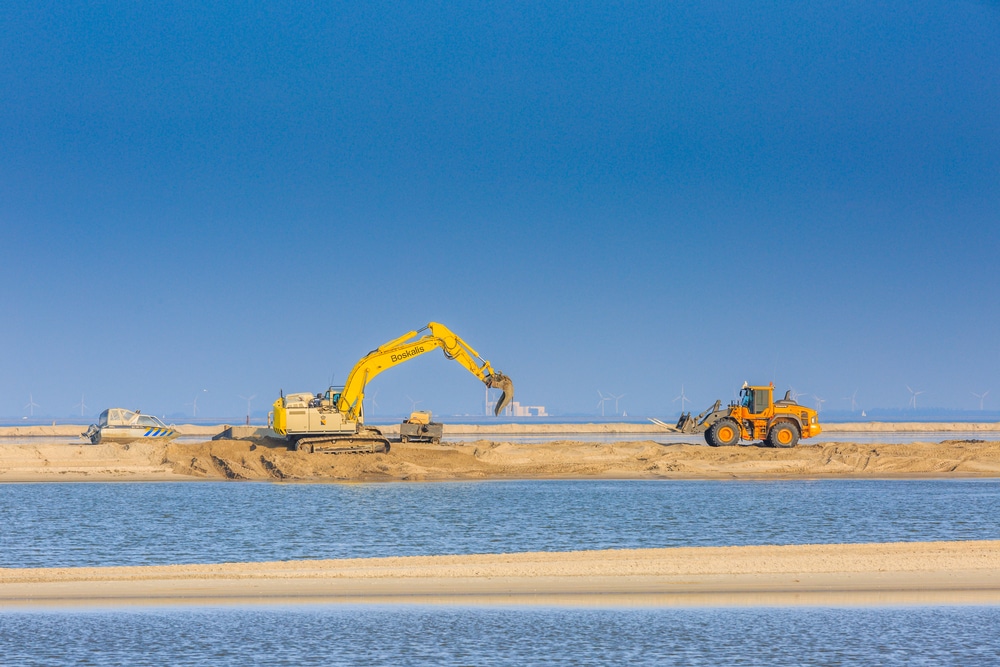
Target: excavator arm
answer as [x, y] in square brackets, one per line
[409, 346]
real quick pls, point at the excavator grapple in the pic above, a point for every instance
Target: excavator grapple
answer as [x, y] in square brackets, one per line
[500, 381]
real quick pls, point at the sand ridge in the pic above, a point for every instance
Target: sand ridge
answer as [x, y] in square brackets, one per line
[486, 459]
[913, 572]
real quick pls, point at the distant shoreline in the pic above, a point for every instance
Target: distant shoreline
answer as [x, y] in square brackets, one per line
[68, 430]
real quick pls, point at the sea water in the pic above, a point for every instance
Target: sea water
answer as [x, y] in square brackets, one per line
[455, 635]
[160, 523]
[97, 524]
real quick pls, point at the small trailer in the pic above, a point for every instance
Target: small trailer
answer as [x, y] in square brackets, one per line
[420, 428]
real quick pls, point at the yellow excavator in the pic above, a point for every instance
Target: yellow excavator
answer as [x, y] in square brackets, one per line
[333, 421]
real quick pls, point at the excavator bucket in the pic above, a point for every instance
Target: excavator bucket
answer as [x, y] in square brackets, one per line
[500, 381]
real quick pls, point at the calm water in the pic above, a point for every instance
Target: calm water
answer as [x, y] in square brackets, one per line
[44, 525]
[130, 523]
[376, 635]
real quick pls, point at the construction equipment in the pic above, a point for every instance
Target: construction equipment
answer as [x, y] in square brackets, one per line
[333, 421]
[689, 424]
[420, 428]
[755, 417]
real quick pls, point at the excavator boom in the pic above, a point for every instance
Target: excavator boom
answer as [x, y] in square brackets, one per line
[409, 346]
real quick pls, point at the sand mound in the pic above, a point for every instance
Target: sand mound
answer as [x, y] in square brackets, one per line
[483, 459]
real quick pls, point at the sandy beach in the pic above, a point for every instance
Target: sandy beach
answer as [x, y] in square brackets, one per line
[489, 459]
[844, 574]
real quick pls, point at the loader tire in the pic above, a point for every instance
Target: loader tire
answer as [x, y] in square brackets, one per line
[723, 433]
[783, 434]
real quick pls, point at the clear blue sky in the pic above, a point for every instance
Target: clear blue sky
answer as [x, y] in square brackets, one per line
[624, 197]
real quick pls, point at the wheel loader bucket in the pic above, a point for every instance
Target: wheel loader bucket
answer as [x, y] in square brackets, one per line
[686, 424]
[699, 423]
[500, 381]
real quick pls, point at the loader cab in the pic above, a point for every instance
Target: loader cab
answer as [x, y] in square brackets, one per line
[756, 400]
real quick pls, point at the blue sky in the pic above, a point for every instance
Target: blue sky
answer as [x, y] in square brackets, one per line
[217, 199]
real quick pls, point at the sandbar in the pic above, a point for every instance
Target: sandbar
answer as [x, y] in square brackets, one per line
[904, 573]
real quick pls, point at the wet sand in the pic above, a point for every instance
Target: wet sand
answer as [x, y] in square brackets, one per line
[490, 459]
[844, 574]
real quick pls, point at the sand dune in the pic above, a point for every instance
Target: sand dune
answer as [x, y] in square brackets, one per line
[644, 459]
[851, 574]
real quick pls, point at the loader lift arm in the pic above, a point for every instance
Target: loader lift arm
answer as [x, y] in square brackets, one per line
[407, 347]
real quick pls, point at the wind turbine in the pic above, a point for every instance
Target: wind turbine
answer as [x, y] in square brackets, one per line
[604, 399]
[819, 403]
[81, 405]
[617, 398]
[852, 398]
[372, 402]
[194, 404]
[31, 405]
[980, 397]
[795, 394]
[413, 404]
[913, 397]
[682, 398]
[248, 404]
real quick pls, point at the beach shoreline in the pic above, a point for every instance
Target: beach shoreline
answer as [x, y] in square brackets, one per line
[831, 574]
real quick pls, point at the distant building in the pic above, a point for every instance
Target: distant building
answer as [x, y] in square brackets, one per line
[515, 409]
[518, 410]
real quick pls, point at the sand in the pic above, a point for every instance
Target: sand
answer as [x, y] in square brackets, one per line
[844, 574]
[483, 459]
[528, 428]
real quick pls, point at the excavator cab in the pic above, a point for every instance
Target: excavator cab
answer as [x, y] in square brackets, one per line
[330, 397]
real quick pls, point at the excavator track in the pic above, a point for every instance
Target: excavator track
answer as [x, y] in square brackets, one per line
[367, 441]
